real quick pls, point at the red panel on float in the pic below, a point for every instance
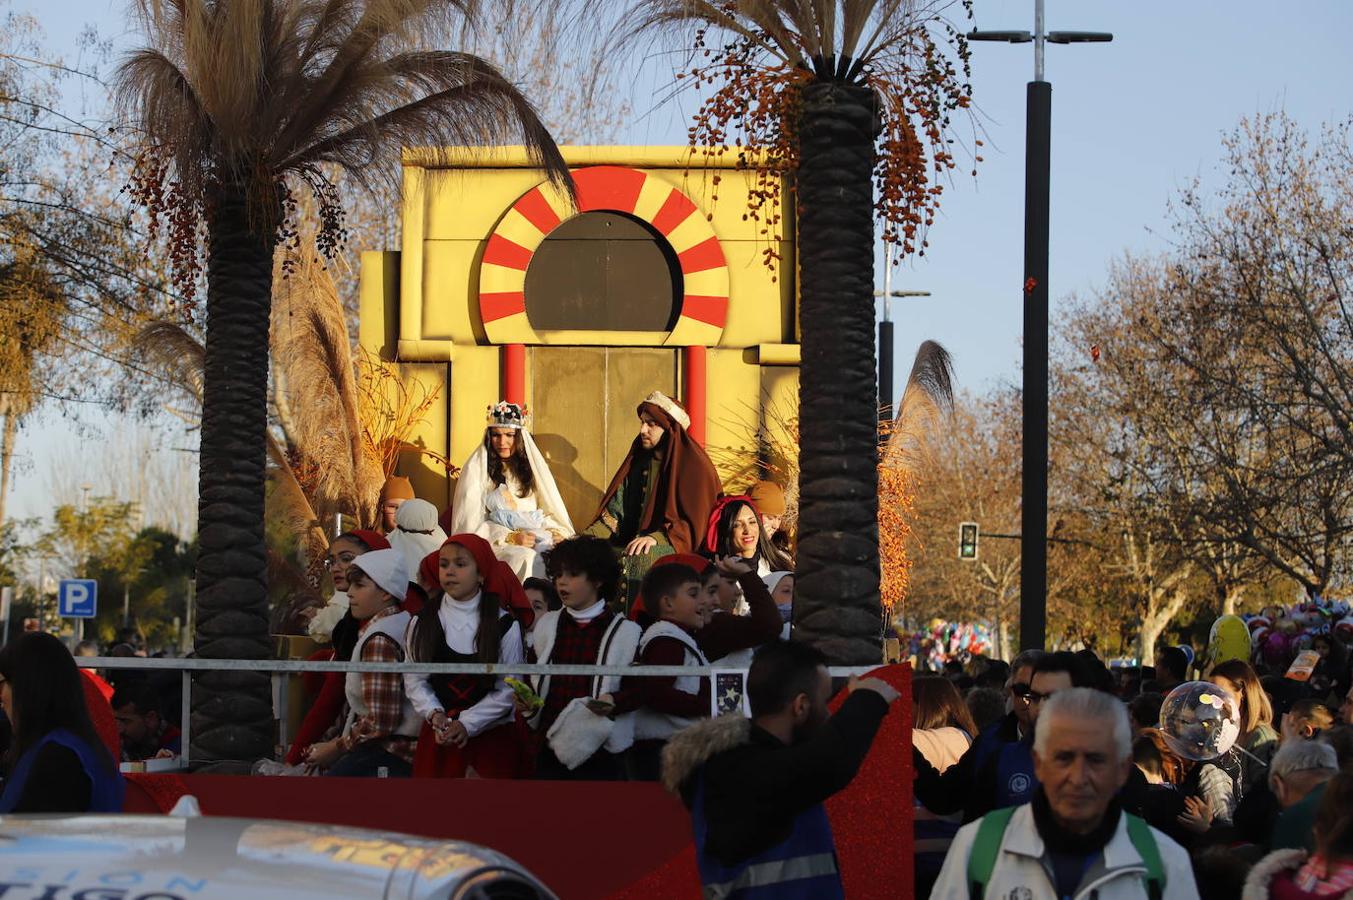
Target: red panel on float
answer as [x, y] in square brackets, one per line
[501, 252]
[675, 210]
[705, 255]
[710, 310]
[493, 307]
[608, 187]
[537, 210]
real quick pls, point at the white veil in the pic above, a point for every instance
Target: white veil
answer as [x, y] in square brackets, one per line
[469, 512]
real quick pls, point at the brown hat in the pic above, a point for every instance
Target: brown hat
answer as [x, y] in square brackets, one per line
[769, 498]
[397, 488]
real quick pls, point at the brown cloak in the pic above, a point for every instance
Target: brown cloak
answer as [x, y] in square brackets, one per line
[686, 490]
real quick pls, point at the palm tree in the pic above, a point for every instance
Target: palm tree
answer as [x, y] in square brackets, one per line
[238, 102]
[814, 84]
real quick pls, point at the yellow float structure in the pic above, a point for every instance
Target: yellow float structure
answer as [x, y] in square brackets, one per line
[503, 289]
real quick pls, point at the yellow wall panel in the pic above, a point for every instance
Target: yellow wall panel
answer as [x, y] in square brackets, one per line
[428, 476]
[448, 279]
[757, 306]
[475, 387]
[466, 204]
[378, 303]
[732, 399]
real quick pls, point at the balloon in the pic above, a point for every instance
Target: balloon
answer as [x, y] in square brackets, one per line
[1277, 650]
[1199, 720]
[1229, 639]
[1254, 622]
[1188, 652]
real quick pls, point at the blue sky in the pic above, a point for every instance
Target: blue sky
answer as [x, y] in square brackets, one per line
[1133, 121]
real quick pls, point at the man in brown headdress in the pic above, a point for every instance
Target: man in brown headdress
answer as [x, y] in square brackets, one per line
[659, 501]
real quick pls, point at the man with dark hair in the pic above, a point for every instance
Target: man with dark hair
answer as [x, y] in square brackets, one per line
[1172, 668]
[998, 771]
[660, 499]
[144, 732]
[755, 788]
[1144, 711]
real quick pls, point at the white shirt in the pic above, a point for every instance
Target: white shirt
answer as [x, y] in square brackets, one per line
[460, 623]
[587, 615]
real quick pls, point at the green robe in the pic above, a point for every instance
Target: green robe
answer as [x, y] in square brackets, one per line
[622, 518]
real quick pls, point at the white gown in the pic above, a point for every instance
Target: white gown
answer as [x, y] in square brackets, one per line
[494, 512]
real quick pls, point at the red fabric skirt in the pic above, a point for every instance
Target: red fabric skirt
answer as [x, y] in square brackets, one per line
[496, 753]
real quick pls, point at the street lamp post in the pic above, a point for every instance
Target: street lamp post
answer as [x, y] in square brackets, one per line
[84, 550]
[1033, 588]
[886, 387]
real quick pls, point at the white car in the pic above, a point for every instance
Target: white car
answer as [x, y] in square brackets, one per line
[204, 858]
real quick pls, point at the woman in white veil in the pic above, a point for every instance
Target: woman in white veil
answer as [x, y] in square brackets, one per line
[507, 495]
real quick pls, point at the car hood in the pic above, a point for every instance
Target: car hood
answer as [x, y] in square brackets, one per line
[203, 858]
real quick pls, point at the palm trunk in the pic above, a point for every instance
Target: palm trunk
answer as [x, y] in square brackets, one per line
[232, 711]
[836, 591]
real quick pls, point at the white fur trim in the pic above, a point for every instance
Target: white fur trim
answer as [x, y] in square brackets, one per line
[578, 733]
[1263, 872]
[696, 745]
[321, 627]
[669, 406]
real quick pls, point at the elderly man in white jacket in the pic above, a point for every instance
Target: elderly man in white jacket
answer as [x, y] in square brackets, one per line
[1072, 840]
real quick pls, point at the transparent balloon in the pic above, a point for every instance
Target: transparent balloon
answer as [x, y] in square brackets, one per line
[1200, 720]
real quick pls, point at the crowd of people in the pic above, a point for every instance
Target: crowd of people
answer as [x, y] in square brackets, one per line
[1268, 817]
[1053, 774]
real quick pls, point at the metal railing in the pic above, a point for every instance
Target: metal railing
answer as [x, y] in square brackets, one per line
[282, 669]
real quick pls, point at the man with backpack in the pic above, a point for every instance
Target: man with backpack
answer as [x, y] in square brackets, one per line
[1072, 841]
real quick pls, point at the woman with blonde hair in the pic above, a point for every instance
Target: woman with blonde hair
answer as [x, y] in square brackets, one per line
[1258, 739]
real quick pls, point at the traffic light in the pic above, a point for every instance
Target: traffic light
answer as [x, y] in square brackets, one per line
[967, 540]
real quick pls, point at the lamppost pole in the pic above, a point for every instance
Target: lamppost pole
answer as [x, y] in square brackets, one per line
[887, 397]
[1033, 588]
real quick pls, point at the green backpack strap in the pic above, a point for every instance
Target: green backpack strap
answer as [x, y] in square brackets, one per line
[985, 848]
[1145, 844]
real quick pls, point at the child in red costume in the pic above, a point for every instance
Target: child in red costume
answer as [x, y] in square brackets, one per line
[468, 719]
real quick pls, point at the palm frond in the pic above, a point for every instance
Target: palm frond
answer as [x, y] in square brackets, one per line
[465, 102]
[244, 95]
[927, 398]
[314, 364]
[649, 17]
[178, 355]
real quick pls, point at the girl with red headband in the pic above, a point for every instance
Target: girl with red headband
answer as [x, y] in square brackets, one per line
[478, 616]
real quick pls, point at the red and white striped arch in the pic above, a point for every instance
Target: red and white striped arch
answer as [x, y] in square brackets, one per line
[704, 270]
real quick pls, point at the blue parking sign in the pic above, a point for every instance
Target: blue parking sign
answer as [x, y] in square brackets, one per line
[78, 598]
